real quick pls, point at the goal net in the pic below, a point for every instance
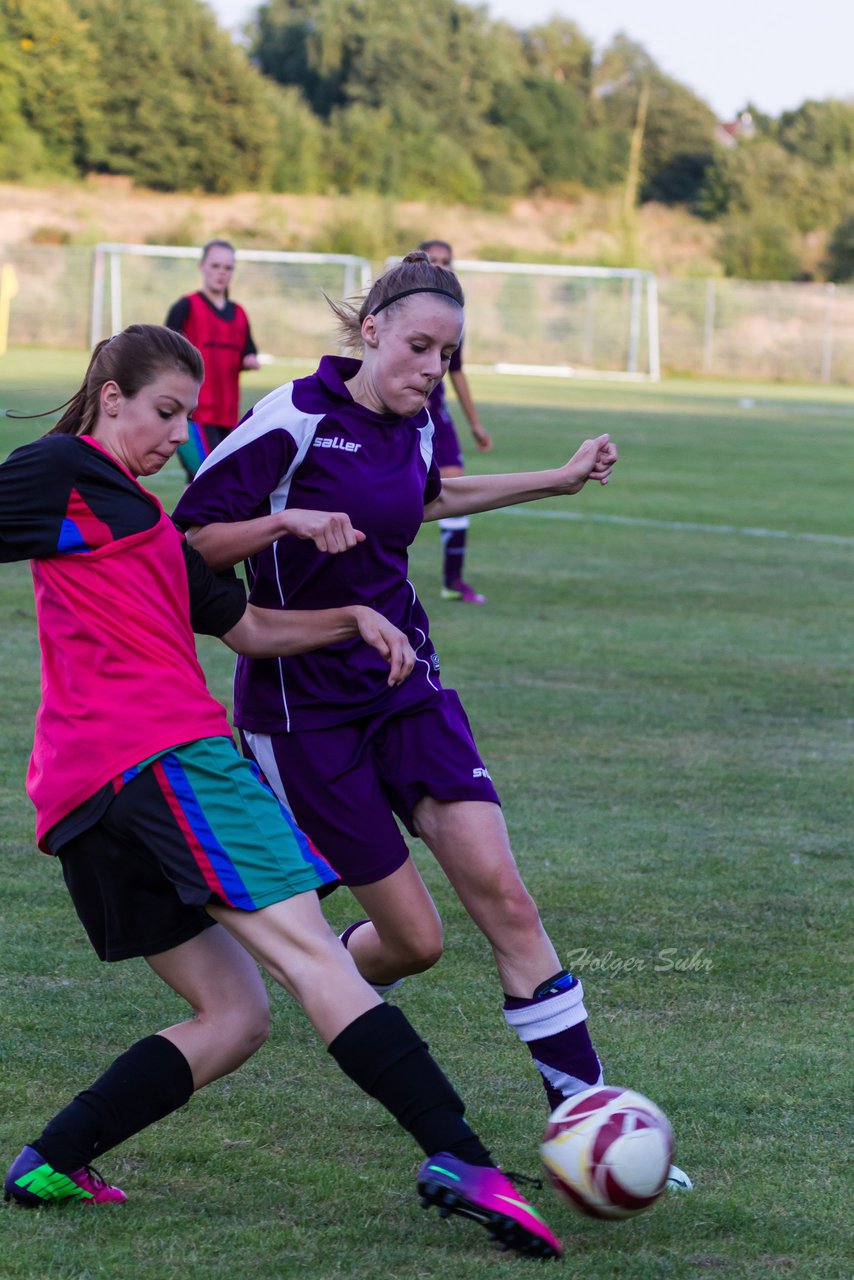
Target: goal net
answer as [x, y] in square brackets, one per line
[282, 292]
[525, 317]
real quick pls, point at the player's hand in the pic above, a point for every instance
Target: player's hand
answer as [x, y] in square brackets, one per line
[594, 460]
[381, 635]
[482, 438]
[330, 531]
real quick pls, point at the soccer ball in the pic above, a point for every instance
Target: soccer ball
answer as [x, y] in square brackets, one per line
[608, 1151]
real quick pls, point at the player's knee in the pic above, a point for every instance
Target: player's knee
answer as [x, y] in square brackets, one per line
[514, 907]
[247, 1026]
[419, 950]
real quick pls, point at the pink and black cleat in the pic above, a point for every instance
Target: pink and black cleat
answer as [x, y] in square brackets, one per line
[489, 1197]
[32, 1181]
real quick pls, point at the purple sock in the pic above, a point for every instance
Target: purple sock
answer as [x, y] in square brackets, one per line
[453, 555]
[344, 937]
[554, 1027]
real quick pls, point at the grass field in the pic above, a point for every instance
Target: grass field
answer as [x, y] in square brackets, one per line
[661, 686]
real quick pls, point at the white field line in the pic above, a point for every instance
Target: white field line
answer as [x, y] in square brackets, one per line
[676, 526]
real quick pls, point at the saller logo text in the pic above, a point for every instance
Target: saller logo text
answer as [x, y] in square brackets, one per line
[335, 442]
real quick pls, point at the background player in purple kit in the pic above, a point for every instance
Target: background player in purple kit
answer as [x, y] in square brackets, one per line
[219, 328]
[343, 751]
[171, 845]
[449, 456]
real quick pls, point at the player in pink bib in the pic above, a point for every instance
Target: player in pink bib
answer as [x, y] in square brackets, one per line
[172, 845]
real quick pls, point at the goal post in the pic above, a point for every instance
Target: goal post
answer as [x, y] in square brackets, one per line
[282, 292]
[560, 320]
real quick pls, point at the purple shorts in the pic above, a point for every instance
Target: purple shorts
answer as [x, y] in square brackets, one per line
[446, 445]
[343, 785]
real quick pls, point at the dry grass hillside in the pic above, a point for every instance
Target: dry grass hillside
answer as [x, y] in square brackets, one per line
[587, 230]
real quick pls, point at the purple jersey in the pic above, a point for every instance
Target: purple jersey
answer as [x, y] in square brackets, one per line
[309, 445]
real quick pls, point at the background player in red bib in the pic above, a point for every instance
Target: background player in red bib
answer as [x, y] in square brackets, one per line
[449, 455]
[219, 328]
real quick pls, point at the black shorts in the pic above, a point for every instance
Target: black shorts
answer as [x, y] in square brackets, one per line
[124, 901]
[196, 826]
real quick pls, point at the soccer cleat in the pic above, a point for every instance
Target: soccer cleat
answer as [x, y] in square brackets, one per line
[489, 1197]
[678, 1180]
[32, 1181]
[462, 591]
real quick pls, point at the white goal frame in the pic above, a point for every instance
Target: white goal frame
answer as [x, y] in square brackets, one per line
[643, 359]
[107, 271]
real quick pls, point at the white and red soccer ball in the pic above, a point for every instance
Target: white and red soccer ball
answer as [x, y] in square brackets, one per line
[608, 1151]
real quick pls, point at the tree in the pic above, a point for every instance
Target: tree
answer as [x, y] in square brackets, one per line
[821, 133]
[343, 52]
[840, 252]
[758, 246]
[761, 174]
[561, 52]
[185, 108]
[53, 83]
[547, 117]
[678, 132]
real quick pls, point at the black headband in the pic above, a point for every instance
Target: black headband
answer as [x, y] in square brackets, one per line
[404, 293]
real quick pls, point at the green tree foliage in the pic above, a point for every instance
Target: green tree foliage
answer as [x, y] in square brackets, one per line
[561, 52]
[368, 52]
[295, 138]
[403, 91]
[758, 245]
[155, 91]
[678, 129]
[547, 118]
[52, 87]
[185, 111]
[821, 133]
[404, 100]
[763, 173]
[840, 252]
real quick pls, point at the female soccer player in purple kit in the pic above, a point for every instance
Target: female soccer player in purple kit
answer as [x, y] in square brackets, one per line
[449, 456]
[171, 845]
[342, 751]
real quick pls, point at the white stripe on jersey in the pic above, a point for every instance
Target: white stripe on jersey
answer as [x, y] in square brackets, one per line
[426, 433]
[261, 746]
[427, 664]
[264, 416]
[276, 412]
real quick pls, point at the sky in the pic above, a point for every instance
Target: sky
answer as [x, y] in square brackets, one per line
[730, 52]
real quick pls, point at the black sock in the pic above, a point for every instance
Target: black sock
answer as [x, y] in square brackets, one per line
[388, 1059]
[150, 1080]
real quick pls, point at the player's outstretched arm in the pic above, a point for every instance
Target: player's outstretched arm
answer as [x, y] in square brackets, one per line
[465, 495]
[274, 633]
[482, 438]
[224, 545]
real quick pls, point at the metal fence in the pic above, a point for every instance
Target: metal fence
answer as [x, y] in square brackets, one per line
[764, 330]
[714, 328]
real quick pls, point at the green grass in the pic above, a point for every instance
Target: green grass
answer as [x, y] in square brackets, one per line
[667, 712]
